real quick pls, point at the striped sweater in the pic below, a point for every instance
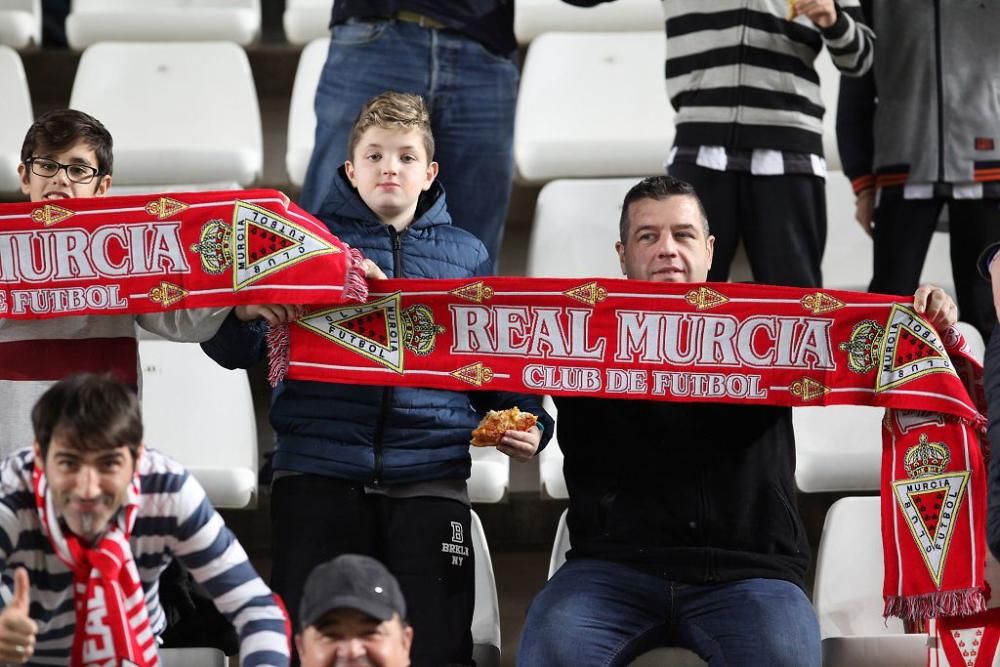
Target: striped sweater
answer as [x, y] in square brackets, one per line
[35, 354]
[175, 520]
[741, 75]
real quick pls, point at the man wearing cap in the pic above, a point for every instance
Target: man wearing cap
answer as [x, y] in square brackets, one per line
[353, 613]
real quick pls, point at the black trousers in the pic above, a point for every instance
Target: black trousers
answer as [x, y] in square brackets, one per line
[903, 229]
[780, 219]
[422, 541]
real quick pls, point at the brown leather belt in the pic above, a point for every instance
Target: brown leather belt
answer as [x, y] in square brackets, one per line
[420, 20]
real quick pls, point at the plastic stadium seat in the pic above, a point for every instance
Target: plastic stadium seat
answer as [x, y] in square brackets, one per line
[301, 114]
[92, 21]
[189, 657]
[659, 657]
[847, 593]
[550, 460]
[181, 113]
[202, 415]
[21, 23]
[486, 614]
[593, 105]
[15, 118]
[306, 20]
[533, 17]
[838, 447]
[490, 477]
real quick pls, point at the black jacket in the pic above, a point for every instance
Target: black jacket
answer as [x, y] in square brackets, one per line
[695, 492]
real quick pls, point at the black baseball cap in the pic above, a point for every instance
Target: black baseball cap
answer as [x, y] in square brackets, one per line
[351, 581]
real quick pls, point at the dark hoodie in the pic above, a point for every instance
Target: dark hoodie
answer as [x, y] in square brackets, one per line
[376, 435]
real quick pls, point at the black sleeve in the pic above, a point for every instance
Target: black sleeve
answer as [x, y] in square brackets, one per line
[992, 381]
[855, 121]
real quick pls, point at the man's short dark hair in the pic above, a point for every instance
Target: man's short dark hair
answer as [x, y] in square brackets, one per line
[91, 413]
[658, 187]
[57, 130]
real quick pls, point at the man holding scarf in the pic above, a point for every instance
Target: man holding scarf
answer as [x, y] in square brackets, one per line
[89, 519]
[683, 521]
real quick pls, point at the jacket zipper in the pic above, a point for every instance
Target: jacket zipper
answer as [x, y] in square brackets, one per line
[379, 435]
[940, 96]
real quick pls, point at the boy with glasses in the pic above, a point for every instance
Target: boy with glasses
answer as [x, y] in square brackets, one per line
[67, 153]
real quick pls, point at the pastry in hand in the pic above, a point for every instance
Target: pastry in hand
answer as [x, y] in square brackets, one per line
[498, 422]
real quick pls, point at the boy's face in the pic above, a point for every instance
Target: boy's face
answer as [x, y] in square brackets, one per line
[87, 488]
[390, 170]
[59, 186]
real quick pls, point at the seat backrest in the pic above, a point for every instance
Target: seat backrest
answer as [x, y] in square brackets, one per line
[179, 112]
[202, 415]
[306, 20]
[21, 23]
[534, 17]
[560, 545]
[301, 113]
[490, 476]
[847, 259]
[593, 105]
[550, 460]
[15, 118]
[486, 614]
[847, 592]
[838, 447]
[92, 21]
[189, 657]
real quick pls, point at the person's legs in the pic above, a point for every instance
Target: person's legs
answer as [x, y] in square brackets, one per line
[903, 229]
[595, 612]
[314, 519]
[428, 547]
[974, 224]
[472, 98]
[747, 623]
[719, 191]
[784, 228]
[364, 60]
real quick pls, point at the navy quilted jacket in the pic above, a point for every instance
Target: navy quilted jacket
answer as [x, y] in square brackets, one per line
[376, 434]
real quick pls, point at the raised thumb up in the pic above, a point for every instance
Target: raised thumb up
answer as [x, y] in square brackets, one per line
[17, 630]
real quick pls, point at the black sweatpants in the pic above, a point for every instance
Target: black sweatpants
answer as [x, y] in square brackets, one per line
[781, 220]
[903, 229]
[425, 542]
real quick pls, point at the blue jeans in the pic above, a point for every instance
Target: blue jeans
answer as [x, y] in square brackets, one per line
[471, 94]
[597, 612]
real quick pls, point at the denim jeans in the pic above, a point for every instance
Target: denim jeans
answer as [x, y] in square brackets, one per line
[596, 612]
[471, 94]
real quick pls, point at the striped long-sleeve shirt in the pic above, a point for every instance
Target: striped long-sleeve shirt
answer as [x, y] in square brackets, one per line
[740, 74]
[175, 519]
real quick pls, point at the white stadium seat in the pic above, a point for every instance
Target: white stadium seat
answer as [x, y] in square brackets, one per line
[202, 415]
[21, 23]
[534, 17]
[838, 447]
[550, 460]
[181, 113]
[93, 21]
[847, 593]
[593, 105]
[189, 657]
[659, 657]
[486, 613]
[306, 20]
[490, 477]
[15, 118]
[301, 113]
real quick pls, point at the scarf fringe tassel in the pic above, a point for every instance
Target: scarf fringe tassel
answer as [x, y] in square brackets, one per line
[961, 602]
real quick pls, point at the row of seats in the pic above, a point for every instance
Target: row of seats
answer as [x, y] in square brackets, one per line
[92, 21]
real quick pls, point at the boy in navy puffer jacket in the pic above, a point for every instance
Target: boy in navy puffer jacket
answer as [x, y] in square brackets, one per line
[382, 470]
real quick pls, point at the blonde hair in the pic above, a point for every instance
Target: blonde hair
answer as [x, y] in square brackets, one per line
[396, 111]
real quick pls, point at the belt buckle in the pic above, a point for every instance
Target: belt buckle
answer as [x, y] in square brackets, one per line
[419, 19]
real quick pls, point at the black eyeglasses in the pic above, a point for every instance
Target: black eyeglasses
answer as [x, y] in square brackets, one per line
[46, 168]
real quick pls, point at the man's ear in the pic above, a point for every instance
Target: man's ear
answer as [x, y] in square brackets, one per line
[710, 245]
[620, 248]
[408, 637]
[38, 453]
[349, 170]
[432, 172]
[298, 644]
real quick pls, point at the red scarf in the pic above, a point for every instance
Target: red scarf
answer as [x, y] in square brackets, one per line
[112, 623]
[970, 641]
[148, 253]
[711, 342]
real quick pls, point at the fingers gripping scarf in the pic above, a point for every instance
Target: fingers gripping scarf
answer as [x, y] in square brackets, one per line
[112, 623]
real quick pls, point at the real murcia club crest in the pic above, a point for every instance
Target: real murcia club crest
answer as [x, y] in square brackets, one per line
[909, 349]
[378, 330]
[930, 500]
[264, 242]
[865, 338]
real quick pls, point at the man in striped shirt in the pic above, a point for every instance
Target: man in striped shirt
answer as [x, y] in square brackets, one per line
[89, 519]
[741, 75]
